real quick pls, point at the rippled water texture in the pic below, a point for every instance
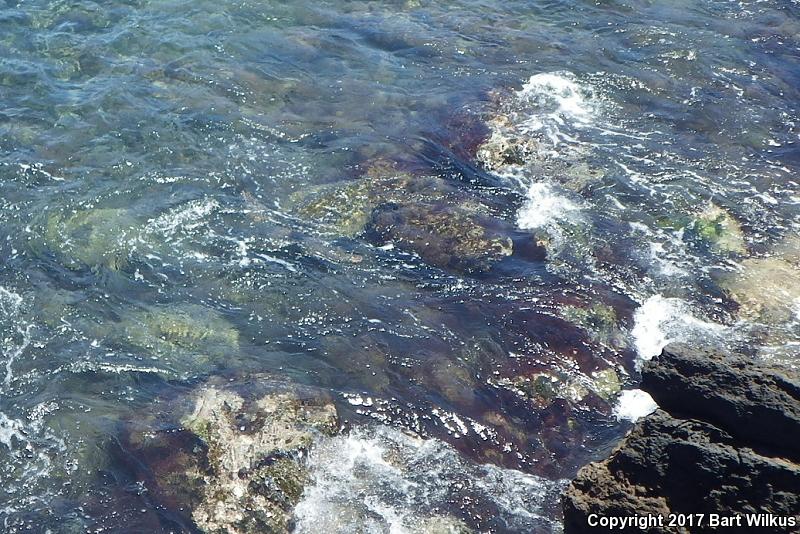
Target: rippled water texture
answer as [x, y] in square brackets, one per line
[467, 221]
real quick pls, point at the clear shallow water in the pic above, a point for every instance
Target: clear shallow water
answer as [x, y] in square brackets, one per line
[152, 154]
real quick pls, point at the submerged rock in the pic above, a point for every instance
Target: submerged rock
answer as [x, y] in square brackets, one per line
[544, 388]
[720, 230]
[345, 208]
[599, 320]
[90, 237]
[606, 383]
[238, 464]
[429, 216]
[768, 289]
[724, 442]
[442, 236]
[174, 330]
[116, 238]
[172, 339]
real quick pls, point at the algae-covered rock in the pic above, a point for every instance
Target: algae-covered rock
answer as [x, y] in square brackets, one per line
[509, 143]
[90, 237]
[254, 475]
[606, 383]
[426, 215]
[183, 330]
[720, 230]
[175, 339]
[345, 208]
[446, 237]
[505, 146]
[542, 389]
[599, 320]
[238, 465]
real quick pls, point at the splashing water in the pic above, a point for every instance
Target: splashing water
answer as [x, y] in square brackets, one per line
[556, 100]
[660, 321]
[380, 479]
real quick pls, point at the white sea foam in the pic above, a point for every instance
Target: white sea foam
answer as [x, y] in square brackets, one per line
[556, 99]
[633, 404]
[30, 449]
[544, 207]
[548, 108]
[660, 321]
[379, 479]
[11, 432]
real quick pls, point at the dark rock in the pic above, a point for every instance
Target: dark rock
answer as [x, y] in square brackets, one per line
[755, 403]
[723, 443]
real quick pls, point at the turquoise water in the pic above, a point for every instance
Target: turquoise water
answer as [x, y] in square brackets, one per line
[173, 179]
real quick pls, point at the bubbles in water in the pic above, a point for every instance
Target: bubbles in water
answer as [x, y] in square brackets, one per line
[544, 207]
[381, 479]
[15, 336]
[557, 100]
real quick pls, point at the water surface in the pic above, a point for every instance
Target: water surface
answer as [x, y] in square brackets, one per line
[153, 155]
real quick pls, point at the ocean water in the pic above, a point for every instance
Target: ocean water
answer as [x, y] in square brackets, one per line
[182, 195]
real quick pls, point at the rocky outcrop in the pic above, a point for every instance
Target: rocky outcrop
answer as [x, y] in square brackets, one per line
[724, 442]
[756, 404]
[234, 460]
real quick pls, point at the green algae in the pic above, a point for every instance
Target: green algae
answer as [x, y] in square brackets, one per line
[720, 230]
[606, 383]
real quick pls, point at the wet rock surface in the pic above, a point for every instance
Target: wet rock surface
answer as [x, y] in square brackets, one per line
[720, 230]
[232, 459]
[724, 441]
[424, 215]
[444, 237]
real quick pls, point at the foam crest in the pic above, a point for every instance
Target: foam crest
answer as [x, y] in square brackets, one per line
[633, 404]
[186, 217]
